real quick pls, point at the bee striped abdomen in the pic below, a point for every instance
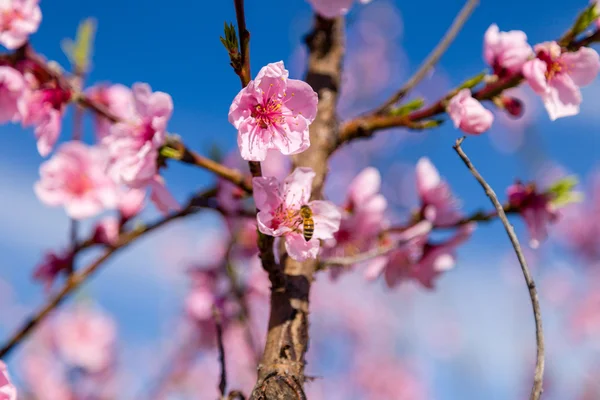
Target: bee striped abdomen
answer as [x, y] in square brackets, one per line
[307, 222]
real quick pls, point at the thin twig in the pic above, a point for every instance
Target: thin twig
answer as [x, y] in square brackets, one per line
[77, 279]
[536, 390]
[358, 258]
[219, 327]
[433, 57]
[244, 73]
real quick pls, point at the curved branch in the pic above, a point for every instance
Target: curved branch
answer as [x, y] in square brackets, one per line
[433, 57]
[536, 390]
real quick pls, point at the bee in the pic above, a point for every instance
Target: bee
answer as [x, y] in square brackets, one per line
[307, 221]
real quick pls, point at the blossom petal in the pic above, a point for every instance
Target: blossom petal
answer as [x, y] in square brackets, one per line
[297, 187]
[365, 185]
[327, 218]
[563, 98]
[299, 249]
[535, 73]
[266, 192]
[582, 65]
[301, 99]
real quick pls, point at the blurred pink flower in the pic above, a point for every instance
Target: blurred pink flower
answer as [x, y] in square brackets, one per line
[279, 215]
[85, 337]
[438, 204]
[535, 208]
[43, 108]
[362, 219]
[273, 112]
[18, 20]
[118, 99]
[106, 231]
[333, 8]
[75, 177]
[468, 114]
[506, 52]
[585, 319]
[12, 87]
[557, 77]
[417, 259]
[8, 391]
[133, 144]
[131, 203]
[390, 380]
[45, 377]
[160, 195]
[52, 265]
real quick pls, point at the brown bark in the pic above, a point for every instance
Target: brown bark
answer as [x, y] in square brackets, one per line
[281, 373]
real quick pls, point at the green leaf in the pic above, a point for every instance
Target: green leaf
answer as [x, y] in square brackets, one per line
[587, 16]
[230, 40]
[474, 81]
[169, 152]
[79, 51]
[408, 107]
[562, 191]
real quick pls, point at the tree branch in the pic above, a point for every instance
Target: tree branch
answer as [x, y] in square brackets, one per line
[536, 390]
[221, 348]
[281, 373]
[77, 279]
[433, 57]
[365, 126]
[358, 258]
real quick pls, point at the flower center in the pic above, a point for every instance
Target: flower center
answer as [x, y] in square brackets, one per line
[57, 97]
[79, 184]
[8, 18]
[553, 66]
[286, 217]
[269, 113]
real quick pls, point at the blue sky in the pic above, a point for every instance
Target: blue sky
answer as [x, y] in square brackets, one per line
[176, 49]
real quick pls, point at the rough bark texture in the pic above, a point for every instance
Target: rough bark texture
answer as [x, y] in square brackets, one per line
[281, 373]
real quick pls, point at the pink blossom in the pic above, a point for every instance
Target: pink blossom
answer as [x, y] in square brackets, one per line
[8, 391]
[12, 87]
[362, 219]
[438, 204]
[333, 8]
[75, 177]
[131, 203]
[273, 112]
[18, 20]
[468, 114]
[43, 108]
[160, 195]
[279, 215]
[557, 76]
[417, 259]
[107, 231]
[53, 264]
[45, 377]
[230, 196]
[506, 52]
[390, 380]
[133, 144]
[535, 208]
[85, 337]
[118, 99]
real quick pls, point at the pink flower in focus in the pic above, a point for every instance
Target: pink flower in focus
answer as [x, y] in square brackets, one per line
[333, 8]
[506, 52]
[279, 215]
[468, 114]
[75, 177]
[133, 144]
[535, 208]
[12, 87]
[107, 231]
[43, 108]
[53, 264]
[363, 219]
[557, 77]
[118, 99]
[8, 391]
[85, 337]
[18, 20]
[438, 205]
[273, 112]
